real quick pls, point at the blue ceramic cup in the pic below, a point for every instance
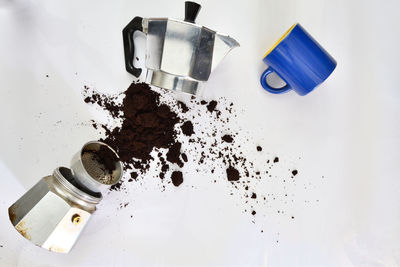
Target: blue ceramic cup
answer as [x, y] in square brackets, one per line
[299, 60]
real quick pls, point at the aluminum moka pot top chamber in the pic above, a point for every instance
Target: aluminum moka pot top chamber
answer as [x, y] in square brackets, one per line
[180, 55]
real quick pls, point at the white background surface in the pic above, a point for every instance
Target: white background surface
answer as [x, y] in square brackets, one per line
[347, 130]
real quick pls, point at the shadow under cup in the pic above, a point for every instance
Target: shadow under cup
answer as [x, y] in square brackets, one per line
[299, 60]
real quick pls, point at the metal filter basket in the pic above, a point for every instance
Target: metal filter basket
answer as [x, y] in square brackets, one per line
[91, 174]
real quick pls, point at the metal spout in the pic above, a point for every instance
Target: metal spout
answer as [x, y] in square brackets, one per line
[223, 44]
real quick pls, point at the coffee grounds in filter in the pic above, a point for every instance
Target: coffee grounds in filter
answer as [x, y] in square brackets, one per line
[95, 169]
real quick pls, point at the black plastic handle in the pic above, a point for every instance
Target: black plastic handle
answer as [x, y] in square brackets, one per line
[191, 11]
[129, 46]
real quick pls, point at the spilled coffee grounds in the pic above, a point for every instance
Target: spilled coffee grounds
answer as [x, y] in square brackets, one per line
[146, 125]
[157, 136]
[174, 154]
[177, 178]
[211, 106]
[187, 128]
[232, 174]
[227, 138]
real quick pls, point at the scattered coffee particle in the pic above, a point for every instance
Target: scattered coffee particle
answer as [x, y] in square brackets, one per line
[292, 217]
[165, 168]
[184, 157]
[276, 159]
[246, 187]
[227, 138]
[259, 148]
[253, 212]
[137, 58]
[134, 175]
[294, 172]
[203, 102]
[47, 75]
[211, 106]
[116, 187]
[183, 107]
[174, 153]
[177, 178]
[254, 195]
[87, 99]
[187, 128]
[232, 174]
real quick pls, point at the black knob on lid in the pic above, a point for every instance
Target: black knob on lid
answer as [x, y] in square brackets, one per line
[191, 11]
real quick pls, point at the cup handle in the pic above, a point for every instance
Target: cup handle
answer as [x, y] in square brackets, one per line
[270, 89]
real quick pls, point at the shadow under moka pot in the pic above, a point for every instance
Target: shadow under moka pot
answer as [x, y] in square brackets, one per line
[180, 55]
[55, 210]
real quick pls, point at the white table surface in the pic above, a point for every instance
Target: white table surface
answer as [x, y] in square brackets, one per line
[347, 130]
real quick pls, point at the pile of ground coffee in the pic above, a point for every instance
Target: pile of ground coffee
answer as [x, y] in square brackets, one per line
[146, 124]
